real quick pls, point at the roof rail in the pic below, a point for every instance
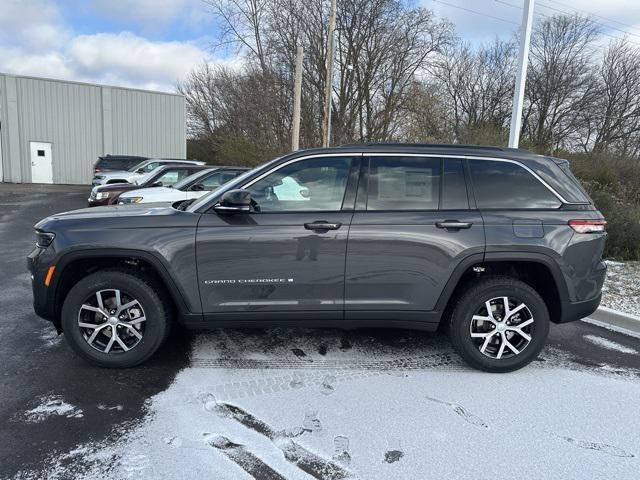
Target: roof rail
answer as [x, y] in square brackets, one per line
[432, 145]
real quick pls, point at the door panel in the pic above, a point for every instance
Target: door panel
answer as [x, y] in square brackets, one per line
[402, 260]
[271, 262]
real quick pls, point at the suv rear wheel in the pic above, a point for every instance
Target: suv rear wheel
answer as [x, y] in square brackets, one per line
[499, 324]
[114, 319]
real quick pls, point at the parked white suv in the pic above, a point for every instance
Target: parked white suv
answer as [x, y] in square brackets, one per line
[138, 171]
[194, 186]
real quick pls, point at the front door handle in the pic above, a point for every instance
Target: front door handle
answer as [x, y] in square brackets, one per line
[453, 224]
[322, 225]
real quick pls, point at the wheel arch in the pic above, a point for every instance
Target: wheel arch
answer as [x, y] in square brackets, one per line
[536, 269]
[73, 266]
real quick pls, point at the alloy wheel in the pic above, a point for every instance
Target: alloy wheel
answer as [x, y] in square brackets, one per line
[502, 327]
[112, 321]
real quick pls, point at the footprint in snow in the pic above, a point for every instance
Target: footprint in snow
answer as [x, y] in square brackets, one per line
[341, 450]
[392, 456]
[462, 412]
[328, 385]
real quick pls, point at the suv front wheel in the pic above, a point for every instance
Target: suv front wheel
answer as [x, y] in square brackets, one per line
[499, 324]
[115, 319]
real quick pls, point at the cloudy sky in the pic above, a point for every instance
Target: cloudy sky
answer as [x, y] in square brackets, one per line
[153, 43]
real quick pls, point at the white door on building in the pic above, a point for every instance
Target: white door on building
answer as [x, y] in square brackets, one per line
[41, 162]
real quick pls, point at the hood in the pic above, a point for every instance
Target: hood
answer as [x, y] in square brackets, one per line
[107, 213]
[149, 191]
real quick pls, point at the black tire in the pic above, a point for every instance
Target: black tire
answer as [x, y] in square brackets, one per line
[157, 313]
[473, 299]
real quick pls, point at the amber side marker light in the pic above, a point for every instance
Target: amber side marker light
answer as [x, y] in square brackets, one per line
[50, 271]
[588, 226]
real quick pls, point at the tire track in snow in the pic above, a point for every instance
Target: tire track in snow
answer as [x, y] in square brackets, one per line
[304, 459]
[241, 456]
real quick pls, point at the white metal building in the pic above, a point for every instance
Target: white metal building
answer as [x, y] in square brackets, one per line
[53, 131]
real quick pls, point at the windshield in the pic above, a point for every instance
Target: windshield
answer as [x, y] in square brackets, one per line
[185, 181]
[229, 185]
[138, 166]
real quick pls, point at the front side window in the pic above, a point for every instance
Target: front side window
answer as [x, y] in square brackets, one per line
[218, 179]
[172, 177]
[151, 166]
[312, 184]
[506, 185]
[403, 183]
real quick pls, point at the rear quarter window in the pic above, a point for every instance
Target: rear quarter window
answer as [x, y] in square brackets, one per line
[505, 185]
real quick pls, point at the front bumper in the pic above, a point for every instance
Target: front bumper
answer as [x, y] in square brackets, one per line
[38, 262]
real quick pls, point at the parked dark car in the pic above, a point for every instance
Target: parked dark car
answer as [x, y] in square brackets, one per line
[109, 163]
[491, 243]
[165, 176]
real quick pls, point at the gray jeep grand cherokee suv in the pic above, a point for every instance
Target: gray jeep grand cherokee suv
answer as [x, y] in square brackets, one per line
[491, 243]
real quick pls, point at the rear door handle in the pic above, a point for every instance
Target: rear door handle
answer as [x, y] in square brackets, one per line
[453, 224]
[322, 225]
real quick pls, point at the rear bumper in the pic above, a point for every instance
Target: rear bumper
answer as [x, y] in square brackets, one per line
[572, 311]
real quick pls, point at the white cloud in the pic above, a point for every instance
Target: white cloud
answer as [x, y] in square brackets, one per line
[150, 14]
[35, 41]
[31, 24]
[125, 57]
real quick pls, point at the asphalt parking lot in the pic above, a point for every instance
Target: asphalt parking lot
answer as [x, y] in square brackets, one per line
[301, 403]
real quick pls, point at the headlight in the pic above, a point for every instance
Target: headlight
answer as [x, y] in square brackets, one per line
[125, 201]
[44, 239]
[102, 195]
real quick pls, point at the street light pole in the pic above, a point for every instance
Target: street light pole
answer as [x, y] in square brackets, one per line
[326, 116]
[521, 74]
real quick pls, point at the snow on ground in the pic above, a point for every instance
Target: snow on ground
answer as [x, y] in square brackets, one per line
[51, 405]
[251, 406]
[611, 345]
[621, 290]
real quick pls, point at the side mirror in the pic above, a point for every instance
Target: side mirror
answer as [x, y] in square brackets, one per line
[140, 170]
[234, 201]
[157, 184]
[198, 187]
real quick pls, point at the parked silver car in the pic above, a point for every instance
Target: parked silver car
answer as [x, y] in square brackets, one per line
[138, 171]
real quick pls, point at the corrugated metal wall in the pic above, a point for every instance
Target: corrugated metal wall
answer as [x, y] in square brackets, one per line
[83, 121]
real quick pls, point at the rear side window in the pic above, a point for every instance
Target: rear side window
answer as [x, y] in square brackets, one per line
[507, 185]
[403, 183]
[454, 186]
[113, 163]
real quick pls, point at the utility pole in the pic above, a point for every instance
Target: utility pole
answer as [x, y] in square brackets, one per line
[297, 99]
[521, 74]
[326, 117]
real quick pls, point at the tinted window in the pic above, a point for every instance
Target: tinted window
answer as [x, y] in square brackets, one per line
[171, 177]
[507, 185]
[313, 184]
[113, 163]
[403, 183]
[218, 179]
[454, 187]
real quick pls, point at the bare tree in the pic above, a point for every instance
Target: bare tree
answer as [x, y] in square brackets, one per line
[613, 120]
[477, 85]
[560, 80]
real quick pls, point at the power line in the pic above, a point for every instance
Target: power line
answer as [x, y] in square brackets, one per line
[599, 23]
[567, 13]
[596, 15]
[475, 11]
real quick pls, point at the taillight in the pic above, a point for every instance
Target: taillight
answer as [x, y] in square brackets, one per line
[588, 226]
